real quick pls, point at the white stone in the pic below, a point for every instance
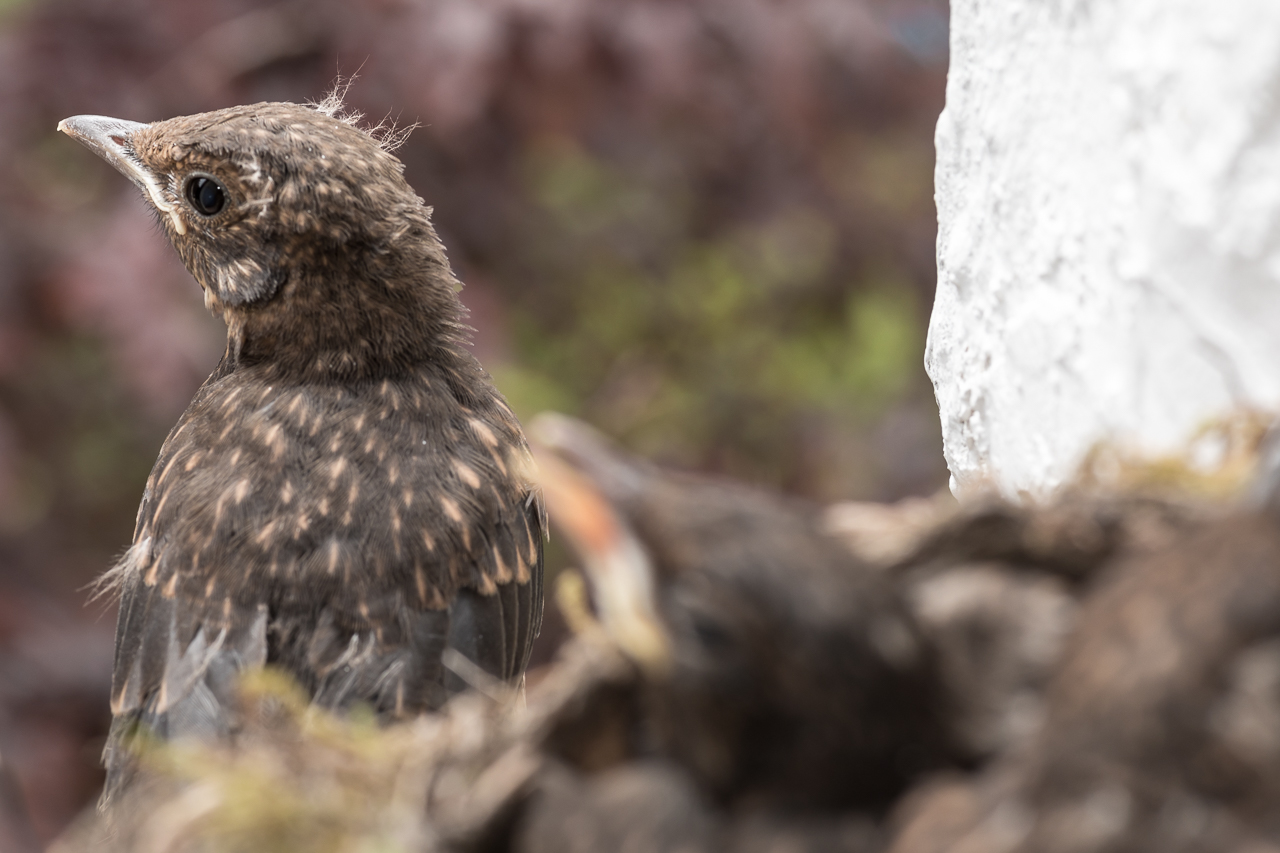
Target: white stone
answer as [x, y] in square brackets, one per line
[1108, 190]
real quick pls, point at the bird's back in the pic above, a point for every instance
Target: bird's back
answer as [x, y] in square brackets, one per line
[347, 534]
[347, 496]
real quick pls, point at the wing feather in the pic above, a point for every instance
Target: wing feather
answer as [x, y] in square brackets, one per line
[234, 567]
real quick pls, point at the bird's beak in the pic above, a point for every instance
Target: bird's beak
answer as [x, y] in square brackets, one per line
[616, 564]
[111, 139]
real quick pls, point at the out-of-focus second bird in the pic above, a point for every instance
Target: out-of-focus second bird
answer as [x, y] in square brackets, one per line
[784, 672]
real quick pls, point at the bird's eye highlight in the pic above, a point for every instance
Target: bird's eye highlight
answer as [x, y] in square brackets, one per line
[206, 195]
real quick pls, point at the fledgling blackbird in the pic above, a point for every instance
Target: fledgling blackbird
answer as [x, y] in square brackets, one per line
[792, 676]
[347, 497]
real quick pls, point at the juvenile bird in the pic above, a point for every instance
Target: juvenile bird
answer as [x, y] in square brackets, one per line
[347, 496]
[790, 675]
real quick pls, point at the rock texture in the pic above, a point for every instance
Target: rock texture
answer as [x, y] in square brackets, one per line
[1108, 190]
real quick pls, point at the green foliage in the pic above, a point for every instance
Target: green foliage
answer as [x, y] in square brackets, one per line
[682, 344]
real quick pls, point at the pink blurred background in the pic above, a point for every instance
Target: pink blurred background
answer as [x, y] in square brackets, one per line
[705, 226]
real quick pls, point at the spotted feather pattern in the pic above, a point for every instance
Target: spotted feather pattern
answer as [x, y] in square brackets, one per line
[347, 497]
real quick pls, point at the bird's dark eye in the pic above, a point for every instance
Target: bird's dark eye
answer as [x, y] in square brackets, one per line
[206, 195]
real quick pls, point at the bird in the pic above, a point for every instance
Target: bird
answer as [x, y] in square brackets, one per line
[347, 497]
[783, 672]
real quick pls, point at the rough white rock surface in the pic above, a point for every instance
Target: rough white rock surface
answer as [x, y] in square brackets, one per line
[1108, 189]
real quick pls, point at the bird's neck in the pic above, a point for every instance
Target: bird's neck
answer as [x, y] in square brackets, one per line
[370, 317]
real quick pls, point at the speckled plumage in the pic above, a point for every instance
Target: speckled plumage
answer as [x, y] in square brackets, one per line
[347, 495]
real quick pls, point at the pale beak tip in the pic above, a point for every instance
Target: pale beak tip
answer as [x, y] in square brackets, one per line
[110, 139]
[99, 132]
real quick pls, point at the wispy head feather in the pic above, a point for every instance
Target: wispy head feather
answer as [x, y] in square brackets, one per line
[386, 133]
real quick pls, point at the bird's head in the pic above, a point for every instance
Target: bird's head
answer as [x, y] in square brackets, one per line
[298, 225]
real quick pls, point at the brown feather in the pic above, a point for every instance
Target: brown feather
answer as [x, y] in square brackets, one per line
[338, 499]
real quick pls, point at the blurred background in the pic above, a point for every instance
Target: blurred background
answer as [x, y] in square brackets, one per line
[705, 226]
